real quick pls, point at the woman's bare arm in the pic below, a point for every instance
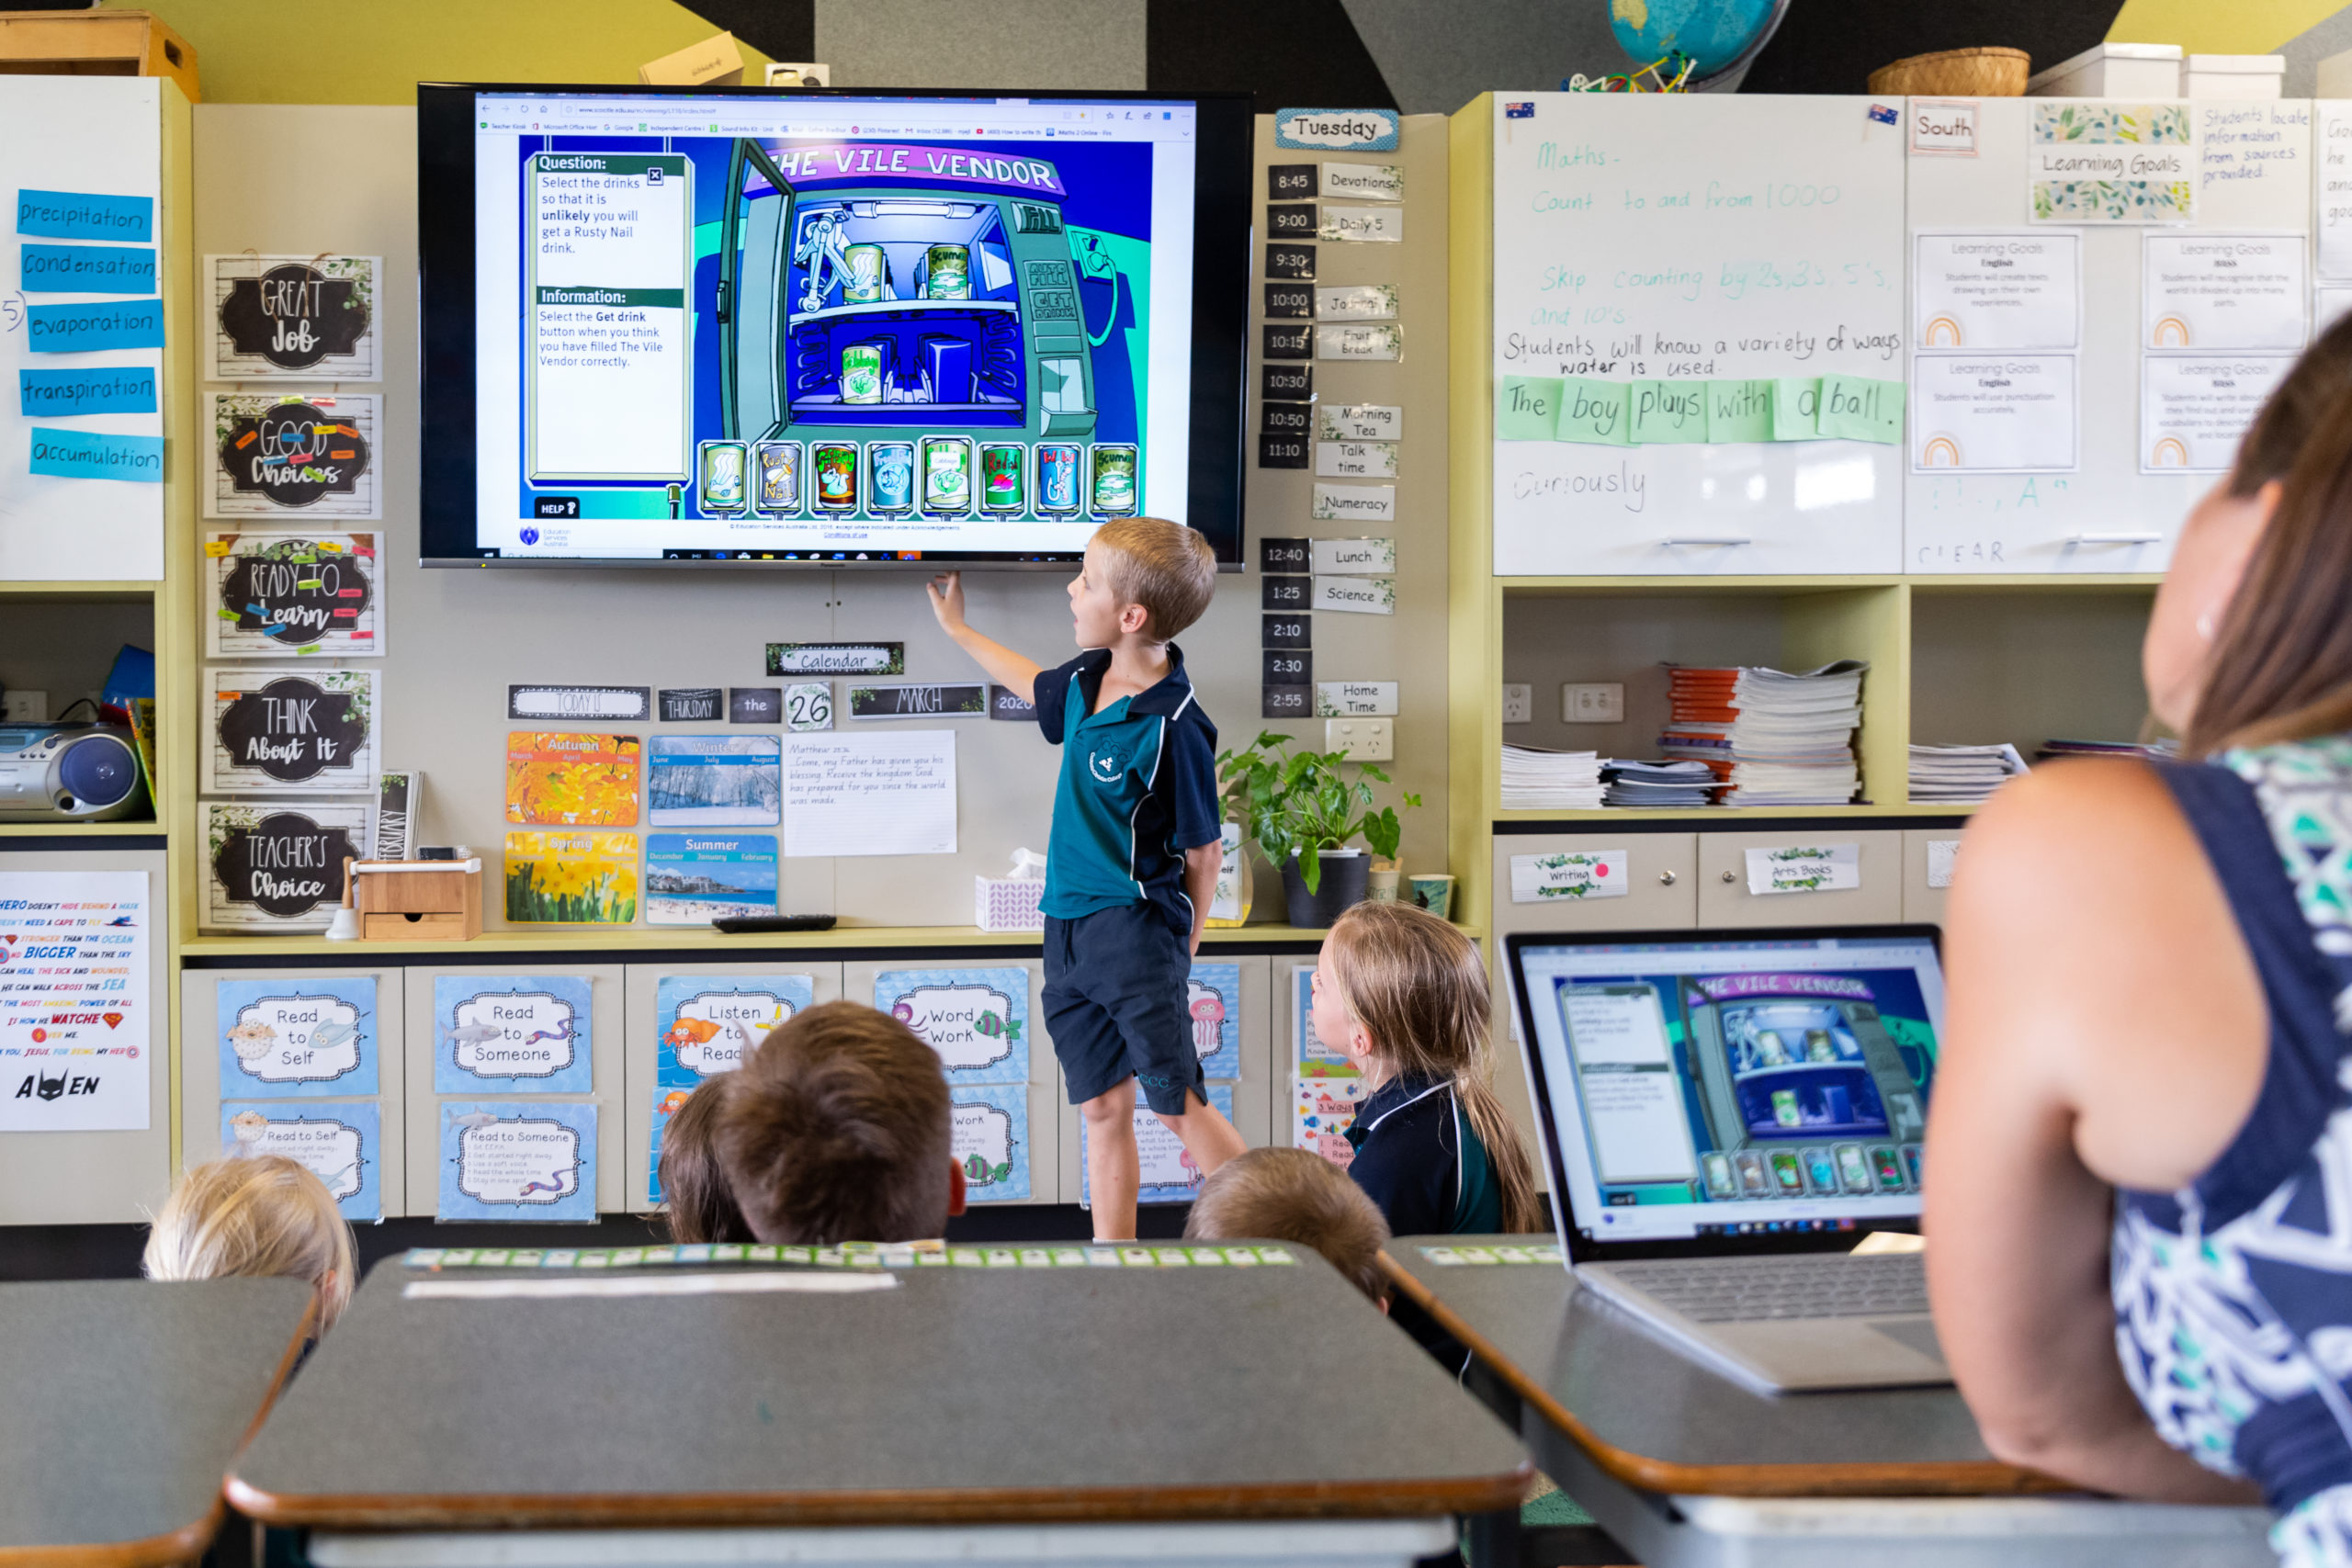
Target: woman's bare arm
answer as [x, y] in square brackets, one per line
[2099, 999]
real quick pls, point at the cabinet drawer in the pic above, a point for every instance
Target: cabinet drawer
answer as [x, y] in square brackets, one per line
[1725, 900]
[1923, 903]
[1659, 874]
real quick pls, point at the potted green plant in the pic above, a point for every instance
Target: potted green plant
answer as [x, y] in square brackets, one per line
[1303, 808]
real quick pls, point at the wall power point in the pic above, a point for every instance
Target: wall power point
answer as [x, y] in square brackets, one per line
[1601, 702]
[1364, 739]
[1519, 704]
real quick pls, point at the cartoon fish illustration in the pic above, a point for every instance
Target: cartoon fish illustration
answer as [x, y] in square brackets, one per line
[691, 1031]
[988, 1023]
[253, 1040]
[249, 1126]
[474, 1033]
[471, 1121]
[332, 1033]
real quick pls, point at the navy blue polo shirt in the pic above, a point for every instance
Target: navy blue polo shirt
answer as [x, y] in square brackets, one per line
[1419, 1160]
[1137, 789]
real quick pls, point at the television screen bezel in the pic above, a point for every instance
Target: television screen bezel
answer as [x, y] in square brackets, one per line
[1222, 237]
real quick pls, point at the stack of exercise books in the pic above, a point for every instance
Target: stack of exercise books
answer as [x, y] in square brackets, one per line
[1962, 775]
[2050, 749]
[1534, 779]
[1653, 785]
[1771, 737]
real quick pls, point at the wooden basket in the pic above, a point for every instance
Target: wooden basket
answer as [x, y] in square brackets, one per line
[96, 43]
[1956, 74]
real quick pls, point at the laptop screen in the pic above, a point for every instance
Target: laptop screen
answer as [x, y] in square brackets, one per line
[1747, 1085]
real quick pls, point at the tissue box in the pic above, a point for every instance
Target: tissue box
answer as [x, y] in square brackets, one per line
[1008, 903]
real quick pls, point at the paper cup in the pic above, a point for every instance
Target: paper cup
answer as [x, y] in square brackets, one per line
[1382, 888]
[1434, 894]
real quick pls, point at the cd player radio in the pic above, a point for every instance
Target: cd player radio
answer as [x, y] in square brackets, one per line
[67, 772]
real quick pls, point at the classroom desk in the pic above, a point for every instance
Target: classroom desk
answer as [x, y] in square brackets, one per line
[1686, 1467]
[124, 1402]
[980, 1403]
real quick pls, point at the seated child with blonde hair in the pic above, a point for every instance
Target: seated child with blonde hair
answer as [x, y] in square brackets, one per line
[255, 1215]
[1295, 1195]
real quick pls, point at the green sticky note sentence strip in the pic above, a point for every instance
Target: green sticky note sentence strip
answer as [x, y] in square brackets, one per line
[1854, 408]
[1664, 412]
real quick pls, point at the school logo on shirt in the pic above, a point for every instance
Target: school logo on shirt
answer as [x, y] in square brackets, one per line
[1106, 765]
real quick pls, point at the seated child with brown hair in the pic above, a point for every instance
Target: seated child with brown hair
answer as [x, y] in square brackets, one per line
[836, 1129]
[257, 1214]
[695, 1200]
[1295, 1195]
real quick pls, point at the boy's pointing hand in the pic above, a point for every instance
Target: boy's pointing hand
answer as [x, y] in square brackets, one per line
[947, 601]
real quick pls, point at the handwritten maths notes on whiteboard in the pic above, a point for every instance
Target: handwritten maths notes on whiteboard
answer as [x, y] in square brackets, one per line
[1699, 335]
[860, 793]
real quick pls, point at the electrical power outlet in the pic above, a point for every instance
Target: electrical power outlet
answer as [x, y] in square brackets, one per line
[1364, 739]
[1601, 702]
[1519, 705]
[24, 707]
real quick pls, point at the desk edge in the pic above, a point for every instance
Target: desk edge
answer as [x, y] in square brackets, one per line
[1354, 1499]
[1970, 1478]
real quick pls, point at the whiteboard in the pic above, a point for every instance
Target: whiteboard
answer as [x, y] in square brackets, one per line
[1697, 237]
[2103, 515]
[93, 134]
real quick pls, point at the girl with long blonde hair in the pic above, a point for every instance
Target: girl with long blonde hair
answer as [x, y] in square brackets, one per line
[1403, 996]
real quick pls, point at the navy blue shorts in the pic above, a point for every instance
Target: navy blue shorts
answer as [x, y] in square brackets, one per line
[1115, 1006]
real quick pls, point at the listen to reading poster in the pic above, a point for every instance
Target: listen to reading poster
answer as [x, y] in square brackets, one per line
[829, 325]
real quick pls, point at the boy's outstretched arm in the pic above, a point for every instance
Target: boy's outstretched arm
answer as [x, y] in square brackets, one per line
[1004, 666]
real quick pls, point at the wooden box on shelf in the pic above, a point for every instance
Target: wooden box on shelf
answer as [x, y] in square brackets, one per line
[96, 43]
[417, 900]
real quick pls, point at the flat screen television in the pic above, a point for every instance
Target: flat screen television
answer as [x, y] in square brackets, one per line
[801, 327]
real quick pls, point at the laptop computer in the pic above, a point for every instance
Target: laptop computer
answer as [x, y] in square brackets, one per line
[1726, 1115]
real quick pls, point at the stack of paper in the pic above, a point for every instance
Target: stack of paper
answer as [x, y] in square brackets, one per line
[1961, 774]
[2050, 749]
[1775, 738]
[1656, 784]
[1538, 780]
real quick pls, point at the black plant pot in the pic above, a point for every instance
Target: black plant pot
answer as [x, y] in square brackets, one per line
[1342, 884]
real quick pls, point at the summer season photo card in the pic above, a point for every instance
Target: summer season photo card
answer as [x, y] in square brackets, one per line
[978, 1020]
[990, 1123]
[512, 1035]
[707, 1021]
[573, 781]
[715, 780]
[502, 1160]
[296, 1036]
[334, 1140]
[1212, 1003]
[280, 595]
[1166, 1170]
[692, 879]
[572, 878]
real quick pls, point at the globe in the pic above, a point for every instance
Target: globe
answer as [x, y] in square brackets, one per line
[1714, 33]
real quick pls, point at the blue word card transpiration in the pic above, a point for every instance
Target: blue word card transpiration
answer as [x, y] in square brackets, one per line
[84, 215]
[106, 389]
[86, 455]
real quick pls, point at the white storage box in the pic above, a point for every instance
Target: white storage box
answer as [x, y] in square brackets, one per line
[2334, 77]
[2112, 71]
[1008, 903]
[2232, 75]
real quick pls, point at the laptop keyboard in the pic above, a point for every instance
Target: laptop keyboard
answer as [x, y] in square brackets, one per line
[1753, 1289]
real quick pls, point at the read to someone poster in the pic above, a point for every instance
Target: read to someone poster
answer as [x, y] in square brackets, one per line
[74, 1031]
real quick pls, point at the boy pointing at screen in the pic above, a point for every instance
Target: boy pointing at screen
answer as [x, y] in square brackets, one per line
[1133, 855]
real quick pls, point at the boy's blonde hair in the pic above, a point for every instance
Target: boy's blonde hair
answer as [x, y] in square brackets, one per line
[1165, 567]
[255, 1215]
[1418, 988]
[1295, 1195]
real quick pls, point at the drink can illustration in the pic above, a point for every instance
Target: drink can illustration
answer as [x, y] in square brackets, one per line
[946, 475]
[779, 468]
[1002, 466]
[947, 272]
[1057, 468]
[891, 477]
[722, 480]
[1115, 481]
[868, 280]
[836, 466]
[862, 373]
